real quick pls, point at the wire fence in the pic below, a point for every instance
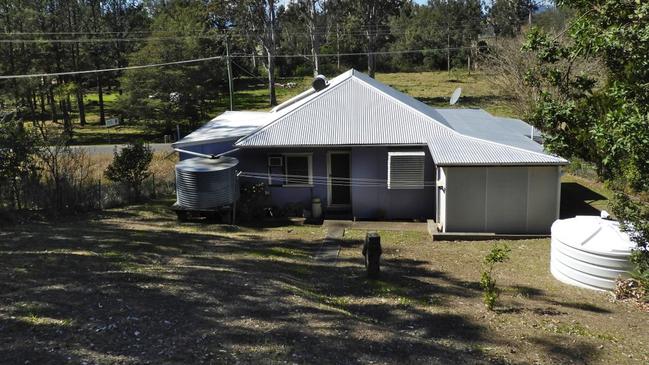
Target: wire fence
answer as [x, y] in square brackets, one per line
[67, 196]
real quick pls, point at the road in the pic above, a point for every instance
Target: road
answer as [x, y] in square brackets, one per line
[107, 149]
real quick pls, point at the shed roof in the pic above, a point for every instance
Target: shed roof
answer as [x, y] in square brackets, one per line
[358, 110]
[227, 126]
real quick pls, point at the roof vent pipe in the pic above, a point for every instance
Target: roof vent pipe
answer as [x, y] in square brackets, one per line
[319, 83]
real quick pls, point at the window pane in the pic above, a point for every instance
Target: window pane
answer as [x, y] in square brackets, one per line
[297, 170]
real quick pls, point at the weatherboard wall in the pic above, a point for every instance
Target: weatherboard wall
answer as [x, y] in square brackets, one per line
[367, 202]
[379, 201]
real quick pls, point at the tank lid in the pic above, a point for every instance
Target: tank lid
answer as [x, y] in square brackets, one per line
[592, 233]
[199, 164]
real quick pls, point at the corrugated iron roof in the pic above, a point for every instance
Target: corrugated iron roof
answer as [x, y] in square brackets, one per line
[358, 110]
[227, 126]
[480, 124]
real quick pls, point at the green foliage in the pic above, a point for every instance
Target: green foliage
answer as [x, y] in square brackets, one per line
[17, 148]
[507, 16]
[601, 118]
[164, 97]
[499, 253]
[130, 166]
[636, 224]
[458, 23]
[252, 201]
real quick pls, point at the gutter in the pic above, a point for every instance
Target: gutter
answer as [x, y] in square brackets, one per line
[204, 155]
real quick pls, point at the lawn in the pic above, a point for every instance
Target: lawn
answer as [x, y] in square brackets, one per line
[131, 286]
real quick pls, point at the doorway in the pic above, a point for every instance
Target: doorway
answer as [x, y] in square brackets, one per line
[339, 173]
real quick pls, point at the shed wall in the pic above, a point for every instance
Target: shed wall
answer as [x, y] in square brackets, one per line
[501, 199]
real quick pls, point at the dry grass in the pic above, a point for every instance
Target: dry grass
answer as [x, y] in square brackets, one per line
[133, 286]
[162, 165]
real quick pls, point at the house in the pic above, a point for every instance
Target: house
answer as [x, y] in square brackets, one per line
[369, 150]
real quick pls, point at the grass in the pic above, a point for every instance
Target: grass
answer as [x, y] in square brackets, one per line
[132, 285]
[433, 88]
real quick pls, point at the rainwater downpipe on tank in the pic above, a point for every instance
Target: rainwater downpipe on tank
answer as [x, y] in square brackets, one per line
[204, 155]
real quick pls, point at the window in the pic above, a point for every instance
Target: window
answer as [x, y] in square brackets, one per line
[406, 170]
[298, 169]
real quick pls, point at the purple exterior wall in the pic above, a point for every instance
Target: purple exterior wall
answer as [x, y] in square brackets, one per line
[366, 202]
[377, 202]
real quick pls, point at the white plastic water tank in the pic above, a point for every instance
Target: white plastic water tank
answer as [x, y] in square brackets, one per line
[589, 252]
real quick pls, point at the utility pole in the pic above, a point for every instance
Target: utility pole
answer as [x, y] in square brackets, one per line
[227, 52]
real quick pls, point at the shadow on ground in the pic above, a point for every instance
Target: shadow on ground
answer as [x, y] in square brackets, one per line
[123, 288]
[576, 199]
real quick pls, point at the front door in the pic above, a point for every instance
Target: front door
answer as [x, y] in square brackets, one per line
[339, 182]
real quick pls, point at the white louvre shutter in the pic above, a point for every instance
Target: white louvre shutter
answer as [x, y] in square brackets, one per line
[406, 170]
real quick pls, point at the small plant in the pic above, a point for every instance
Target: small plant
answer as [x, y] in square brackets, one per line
[252, 201]
[499, 253]
[130, 166]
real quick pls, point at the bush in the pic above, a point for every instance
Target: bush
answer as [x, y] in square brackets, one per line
[252, 202]
[130, 166]
[499, 253]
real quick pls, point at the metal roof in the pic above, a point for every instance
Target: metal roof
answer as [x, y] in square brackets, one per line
[480, 124]
[358, 110]
[227, 126]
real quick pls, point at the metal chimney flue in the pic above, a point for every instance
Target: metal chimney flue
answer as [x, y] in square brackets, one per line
[319, 83]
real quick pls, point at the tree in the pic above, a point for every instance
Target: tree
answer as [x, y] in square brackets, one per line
[507, 16]
[17, 148]
[373, 16]
[600, 118]
[438, 25]
[130, 166]
[164, 97]
[259, 17]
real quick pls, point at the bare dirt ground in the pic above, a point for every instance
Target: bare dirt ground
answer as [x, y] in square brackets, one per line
[131, 286]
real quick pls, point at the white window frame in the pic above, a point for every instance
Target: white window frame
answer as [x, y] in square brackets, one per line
[406, 153]
[309, 157]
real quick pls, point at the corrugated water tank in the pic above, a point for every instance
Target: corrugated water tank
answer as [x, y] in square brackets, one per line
[590, 252]
[203, 183]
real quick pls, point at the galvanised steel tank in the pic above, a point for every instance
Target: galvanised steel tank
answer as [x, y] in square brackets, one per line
[203, 183]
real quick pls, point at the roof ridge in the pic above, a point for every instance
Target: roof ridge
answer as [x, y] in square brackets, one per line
[304, 101]
[369, 81]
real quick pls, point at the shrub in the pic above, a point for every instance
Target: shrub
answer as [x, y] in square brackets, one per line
[252, 200]
[130, 166]
[499, 253]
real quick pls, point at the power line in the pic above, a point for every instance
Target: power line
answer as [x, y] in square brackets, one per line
[336, 181]
[109, 69]
[5, 77]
